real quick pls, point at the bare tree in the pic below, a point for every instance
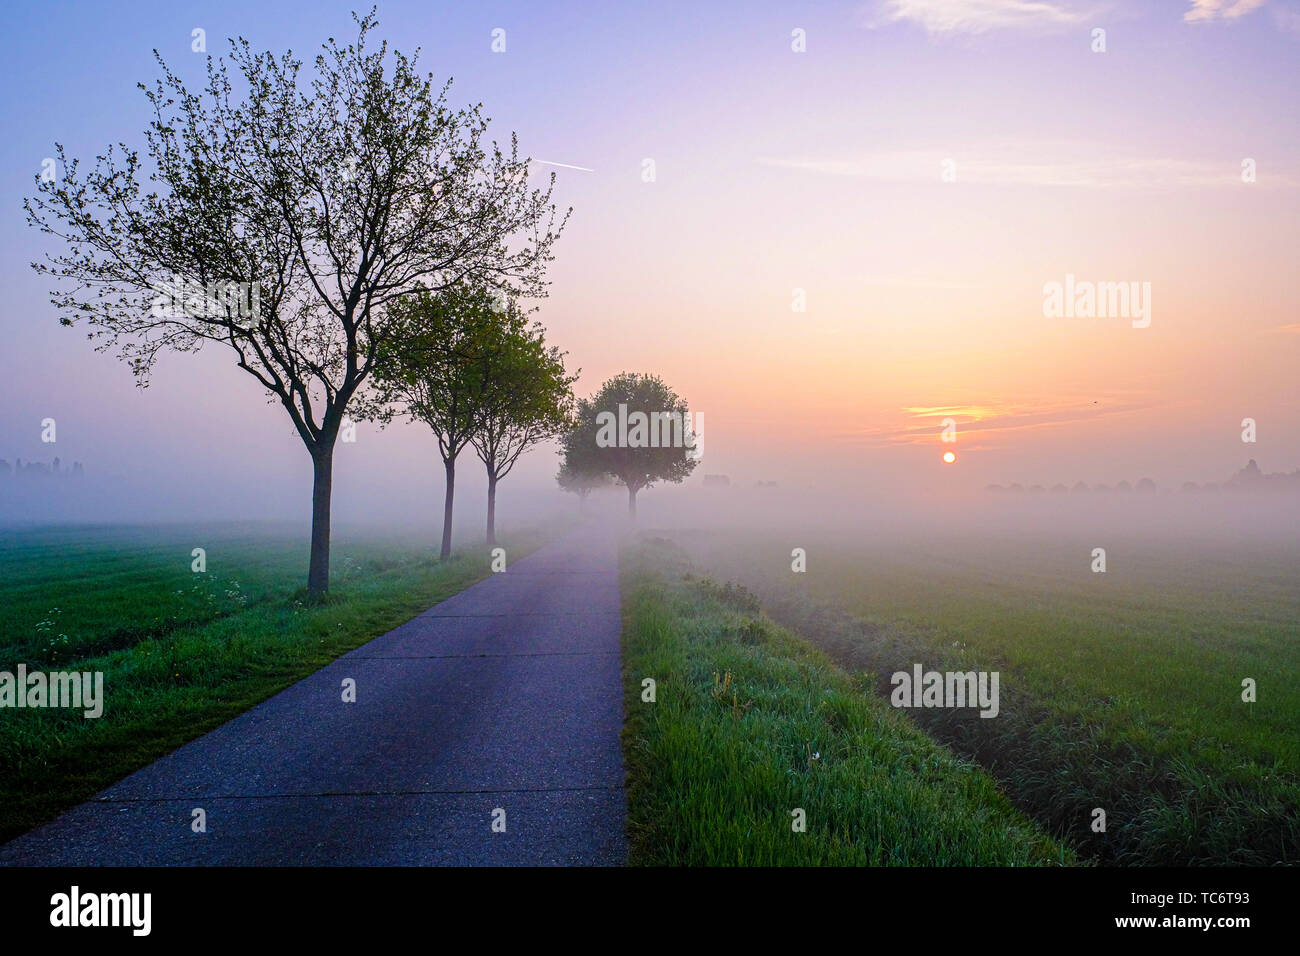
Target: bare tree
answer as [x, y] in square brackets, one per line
[316, 202]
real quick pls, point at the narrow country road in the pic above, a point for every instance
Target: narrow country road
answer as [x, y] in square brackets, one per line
[505, 697]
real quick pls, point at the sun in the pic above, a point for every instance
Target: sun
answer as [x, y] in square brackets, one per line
[949, 457]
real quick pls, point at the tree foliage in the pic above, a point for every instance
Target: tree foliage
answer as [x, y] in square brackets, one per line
[323, 198]
[600, 444]
[476, 372]
[525, 397]
[580, 472]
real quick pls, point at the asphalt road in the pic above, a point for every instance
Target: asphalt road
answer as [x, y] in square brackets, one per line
[505, 697]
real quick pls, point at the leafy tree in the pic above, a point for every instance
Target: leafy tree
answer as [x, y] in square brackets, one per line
[431, 370]
[580, 472]
[525, 396]
[637, 430]
[319, 200]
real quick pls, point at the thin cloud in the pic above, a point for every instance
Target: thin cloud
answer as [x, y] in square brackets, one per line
[1018, 166]
[922, 425]
[1287, 19]
[917, 282]
[1204, 11]
[978, 16]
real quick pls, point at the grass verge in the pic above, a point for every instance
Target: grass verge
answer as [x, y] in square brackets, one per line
[1119, 691]
[750, 724]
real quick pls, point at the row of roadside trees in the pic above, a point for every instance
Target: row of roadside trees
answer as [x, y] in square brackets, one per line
[378, 247]
[360, 209]
[477, 373]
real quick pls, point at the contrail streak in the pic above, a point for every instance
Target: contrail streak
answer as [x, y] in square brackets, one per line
[547, 162]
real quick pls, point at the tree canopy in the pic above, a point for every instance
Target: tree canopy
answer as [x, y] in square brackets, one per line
[525, 397]
[635, 429]
[318, 200]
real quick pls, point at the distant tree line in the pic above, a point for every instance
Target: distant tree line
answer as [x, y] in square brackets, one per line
[1145, 486]
[1249, 478]
[40, 468]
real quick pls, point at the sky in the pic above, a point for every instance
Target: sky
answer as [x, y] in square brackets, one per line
[854, 213]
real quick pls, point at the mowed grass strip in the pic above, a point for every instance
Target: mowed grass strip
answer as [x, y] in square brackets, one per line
[178, 681]
[750, 723]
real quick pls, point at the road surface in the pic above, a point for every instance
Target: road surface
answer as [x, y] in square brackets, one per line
[505, 697]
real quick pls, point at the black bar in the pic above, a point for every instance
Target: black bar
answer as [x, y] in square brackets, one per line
[269, 905]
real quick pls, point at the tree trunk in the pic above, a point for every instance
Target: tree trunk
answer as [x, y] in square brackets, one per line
[492, 510]
[631, 502]
[318, 570]
[450, 465]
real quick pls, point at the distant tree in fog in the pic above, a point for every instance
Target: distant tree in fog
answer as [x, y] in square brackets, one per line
[580, 472]
[637, 430]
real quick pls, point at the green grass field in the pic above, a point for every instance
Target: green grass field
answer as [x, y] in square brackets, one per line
[182, 652]
[750, 724]
[1119, 690]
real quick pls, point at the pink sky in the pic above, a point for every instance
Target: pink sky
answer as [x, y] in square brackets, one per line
[776, 171]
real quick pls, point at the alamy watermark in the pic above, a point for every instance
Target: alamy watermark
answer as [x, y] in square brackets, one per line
[75, 908]
[189, 298]
[1083, 299]
[654, 430]
[923, 688]
[80, 690]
